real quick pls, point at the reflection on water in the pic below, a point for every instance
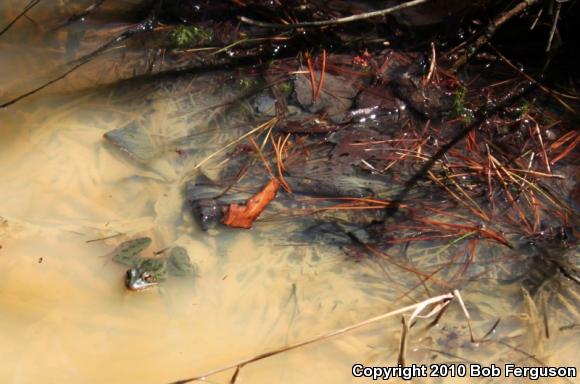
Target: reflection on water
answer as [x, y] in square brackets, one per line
[66, 316]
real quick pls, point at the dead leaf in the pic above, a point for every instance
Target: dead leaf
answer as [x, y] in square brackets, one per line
[243, 216]
[134, 140]
[335, 98]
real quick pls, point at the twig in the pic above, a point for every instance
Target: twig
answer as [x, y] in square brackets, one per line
[236, 374]
[28, 7]
[554, 26]
[82, 14]
[342, 20]
[487, 34]
[239, 42]
[146, 25]
[554, 94]
[491, 330]
[403, 345]
[422, 305]
[104, 238]
[466, 313]
[431, 65]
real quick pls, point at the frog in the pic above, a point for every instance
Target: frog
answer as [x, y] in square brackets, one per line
[145, 273]
[129, 250]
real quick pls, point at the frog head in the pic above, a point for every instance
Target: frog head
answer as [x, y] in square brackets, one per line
[148, 273]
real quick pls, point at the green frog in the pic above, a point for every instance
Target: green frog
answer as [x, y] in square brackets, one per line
[127, 252]
[146, 273]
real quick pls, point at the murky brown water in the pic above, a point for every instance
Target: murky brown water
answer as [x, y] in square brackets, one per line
[66, 316]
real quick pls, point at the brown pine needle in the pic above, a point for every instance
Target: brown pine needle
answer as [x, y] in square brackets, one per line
[476, 209]
[361, 199]
[312, 77]
[282, 149]
[567, 137]
[536, 173]
[485, 232]
[347, 208]
[509, 196]
[264, 160]
[556, 95]
[541, 140]
[567, 151]
[260, 127]
[322, 72]
[278, 149]
[395, 262]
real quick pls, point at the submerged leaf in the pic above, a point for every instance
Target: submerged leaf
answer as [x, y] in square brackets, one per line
[135, 141]
[179, 263]
[126, 253]
[243, 216]
[335, 99]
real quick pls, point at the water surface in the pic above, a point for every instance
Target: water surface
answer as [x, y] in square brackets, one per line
[65, 314]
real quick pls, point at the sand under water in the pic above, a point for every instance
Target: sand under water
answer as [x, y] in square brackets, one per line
[65, 315]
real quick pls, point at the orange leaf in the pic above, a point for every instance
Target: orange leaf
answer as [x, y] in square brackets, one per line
[243, 216]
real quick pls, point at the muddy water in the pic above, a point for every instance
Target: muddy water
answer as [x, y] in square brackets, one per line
[65, 315]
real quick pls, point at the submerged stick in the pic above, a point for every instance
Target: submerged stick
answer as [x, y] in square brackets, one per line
[422, 305]
[82, 14]
[342, 20]
[403, 344]
[488, 33]
[28, 7]
[146, 25]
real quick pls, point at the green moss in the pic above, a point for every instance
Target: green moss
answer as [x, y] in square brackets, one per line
[247, 83]
[524, 109]
[285, 88]
[188, 35]
[459, 108]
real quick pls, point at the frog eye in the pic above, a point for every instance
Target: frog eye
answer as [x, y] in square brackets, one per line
[148, 277]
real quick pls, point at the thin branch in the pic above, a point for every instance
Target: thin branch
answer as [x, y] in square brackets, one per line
[241, 363]
[488, 33]
[28, 7]
[403, 344]
[82, 14]
[146, 25]
[342, 20]
[77, 64]
[554, 26]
